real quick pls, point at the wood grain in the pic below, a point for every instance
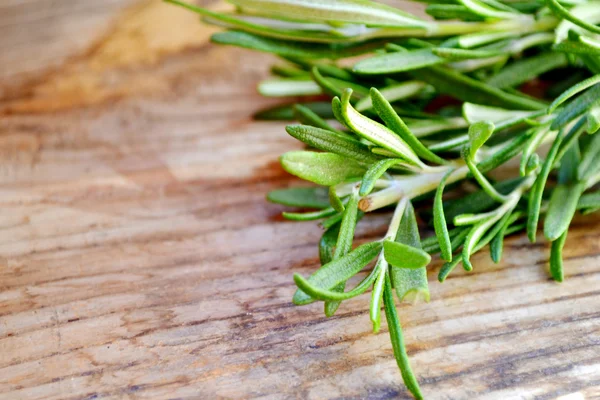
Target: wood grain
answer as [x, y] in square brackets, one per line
[139, 259]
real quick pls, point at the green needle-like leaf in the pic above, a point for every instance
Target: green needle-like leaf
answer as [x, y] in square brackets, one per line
[281, 87]
[439, 220]
[556, 259]
[395, 123]
[497, 243]
[310, 216]
[344, 243]
[577, 107]
[563, 205]
[374, 173]
[325, 169]
[333, 296]
[572, 91]
[526, 69]
[327, 243]
[565, 196]
[335, 201]
[374, 131]
[479, 133]
[309, 197]
[340, 270]
[398, 341]
[410, 284]
[537, 190]
[306, 116]
[398, 62]
[346, 11]
[404, 256]
[468, 89]
[333, 142]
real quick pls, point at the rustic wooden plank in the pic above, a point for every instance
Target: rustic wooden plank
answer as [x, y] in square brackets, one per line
[138, 258]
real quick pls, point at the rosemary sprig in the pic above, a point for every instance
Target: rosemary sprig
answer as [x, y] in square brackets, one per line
[398, 141]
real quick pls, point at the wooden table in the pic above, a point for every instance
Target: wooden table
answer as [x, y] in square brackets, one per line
[139, 259]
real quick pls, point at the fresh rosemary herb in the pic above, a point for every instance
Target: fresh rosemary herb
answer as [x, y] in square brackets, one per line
[523, 75]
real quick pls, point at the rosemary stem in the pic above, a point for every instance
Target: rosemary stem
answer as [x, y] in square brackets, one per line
[410, 187]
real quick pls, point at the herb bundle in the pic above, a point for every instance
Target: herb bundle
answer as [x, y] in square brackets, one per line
[422, 108]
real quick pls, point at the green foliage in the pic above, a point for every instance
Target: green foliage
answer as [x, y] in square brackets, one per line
[428, 106]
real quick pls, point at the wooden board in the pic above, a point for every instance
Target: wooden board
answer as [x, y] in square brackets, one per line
[138, 258]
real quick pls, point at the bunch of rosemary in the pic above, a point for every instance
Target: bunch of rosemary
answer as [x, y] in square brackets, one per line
[402, 138]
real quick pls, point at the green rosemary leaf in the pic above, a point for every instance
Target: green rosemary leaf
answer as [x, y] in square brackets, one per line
[593, 120]
[526, 69]
[340, 270]
[463, 54]
[468, 89]
[275, 46]
[306, 116]
[508, 151]
[497, 221]
[562, 12]
[422, 128]
[309, 216]
[439, 220]
[346, 11]
[330, 295]
[288, 71]
[377, 294]
[374, 131]
[397, 62]
[479, 133]
[570, 141]
[516, 228]
[335, 87]
[405, 256]
[336, 107]
[537, 136]
[483, 182]
[590, 159]
[572, 91]
[497, 243]
[375, 172]
[332, 142]
[281, 87]
[397, 339]
[335, 201]
[459, 239]
[482, 9]
[577, 107]
[477, 39]
[325, 169]
[584, 50]
[473, 238]
[343, 244]
[563, 202]
[327, 243]
[410, 284]
[501, 117]
[309, 197]
[392, 93]
[556, 260]
[447, 268]
[452, 11]
[395, 123]
[478, 201]
[286, 112]
[589, 201]
[561, 209]
[535, 196]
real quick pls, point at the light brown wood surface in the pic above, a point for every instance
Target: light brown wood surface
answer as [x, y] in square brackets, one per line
[139, 259]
